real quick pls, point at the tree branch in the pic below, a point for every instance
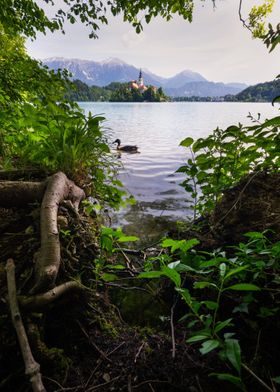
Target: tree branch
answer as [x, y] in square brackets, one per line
[32, 368]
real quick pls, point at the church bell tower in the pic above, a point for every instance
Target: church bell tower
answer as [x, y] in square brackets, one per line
[140, 79]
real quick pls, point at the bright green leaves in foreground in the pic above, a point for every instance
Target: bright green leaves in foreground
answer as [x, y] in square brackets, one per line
[251, 268]
[223, 158]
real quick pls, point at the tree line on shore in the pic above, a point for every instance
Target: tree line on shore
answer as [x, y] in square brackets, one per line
[120, 92]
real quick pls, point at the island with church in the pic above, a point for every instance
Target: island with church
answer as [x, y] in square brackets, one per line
[137, 91]
[131, 91]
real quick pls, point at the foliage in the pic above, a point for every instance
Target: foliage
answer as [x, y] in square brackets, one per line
[257, 25]
[105, 268]
[79, 91]
[28, 18]
[126, 94]
[40, 128]
[262, 92]
[224, 157]
[257, 16]
[205, 281]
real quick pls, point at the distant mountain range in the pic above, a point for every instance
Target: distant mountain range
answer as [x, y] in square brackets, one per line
[101, 73]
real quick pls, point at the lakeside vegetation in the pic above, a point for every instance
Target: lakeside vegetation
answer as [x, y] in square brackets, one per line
[200, 311]
[120, 92]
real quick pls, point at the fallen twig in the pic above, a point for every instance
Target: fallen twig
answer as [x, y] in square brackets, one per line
[139, 352]
[259, 380]
[102, 385]
[32, 368]
[149, 382]
[103, 355]
[172, 329]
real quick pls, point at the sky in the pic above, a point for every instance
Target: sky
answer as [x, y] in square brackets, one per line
[215, 44]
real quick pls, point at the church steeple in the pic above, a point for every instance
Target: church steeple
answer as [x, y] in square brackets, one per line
[140, 79]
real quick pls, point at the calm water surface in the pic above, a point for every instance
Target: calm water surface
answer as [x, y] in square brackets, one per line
[157, 129]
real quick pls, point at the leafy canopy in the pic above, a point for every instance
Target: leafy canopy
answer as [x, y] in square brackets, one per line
[27, 17]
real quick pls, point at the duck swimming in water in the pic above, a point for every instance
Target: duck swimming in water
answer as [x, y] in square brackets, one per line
[125, 148]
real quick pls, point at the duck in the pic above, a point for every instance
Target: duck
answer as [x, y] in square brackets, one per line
[125, 148]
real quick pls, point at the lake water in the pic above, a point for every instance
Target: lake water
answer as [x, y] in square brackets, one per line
[157, 129]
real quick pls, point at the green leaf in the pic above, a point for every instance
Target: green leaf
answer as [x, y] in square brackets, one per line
[235, 271]
[182, 244]
[208, 346]
[150, 275]
[197, 338]
[211, 304]
[222, 324]
[229, 377]
[276, 379]
[233, 353]
[185, 295]
[202, 285]
[108, 277]
[223, 269]
[173, 275]
[254, 235]
[115, 266]
[187, 142]
[174, 264]
[243, 287]
[130, 238]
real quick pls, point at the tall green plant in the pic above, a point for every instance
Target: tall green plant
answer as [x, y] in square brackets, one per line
[220, 160]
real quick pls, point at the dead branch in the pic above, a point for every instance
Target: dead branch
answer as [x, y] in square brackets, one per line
[32, 368]
[40, 301]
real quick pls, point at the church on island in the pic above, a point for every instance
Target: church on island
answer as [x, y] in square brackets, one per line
[139, 84]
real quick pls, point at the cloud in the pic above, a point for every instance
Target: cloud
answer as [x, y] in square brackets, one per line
[131, 40]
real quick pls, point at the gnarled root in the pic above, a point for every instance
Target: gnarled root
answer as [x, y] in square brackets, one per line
[40, 301]
[47, 261]
[51, 192]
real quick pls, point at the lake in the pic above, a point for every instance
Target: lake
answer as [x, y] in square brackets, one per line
[157, 129]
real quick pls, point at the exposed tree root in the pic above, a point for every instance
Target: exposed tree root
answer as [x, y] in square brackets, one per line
[59, 188]
[40, 301]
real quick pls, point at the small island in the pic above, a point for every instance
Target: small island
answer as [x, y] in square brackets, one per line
[133, 91]
[137, 91]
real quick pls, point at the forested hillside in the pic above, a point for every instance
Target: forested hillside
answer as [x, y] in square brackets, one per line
[262, 92]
